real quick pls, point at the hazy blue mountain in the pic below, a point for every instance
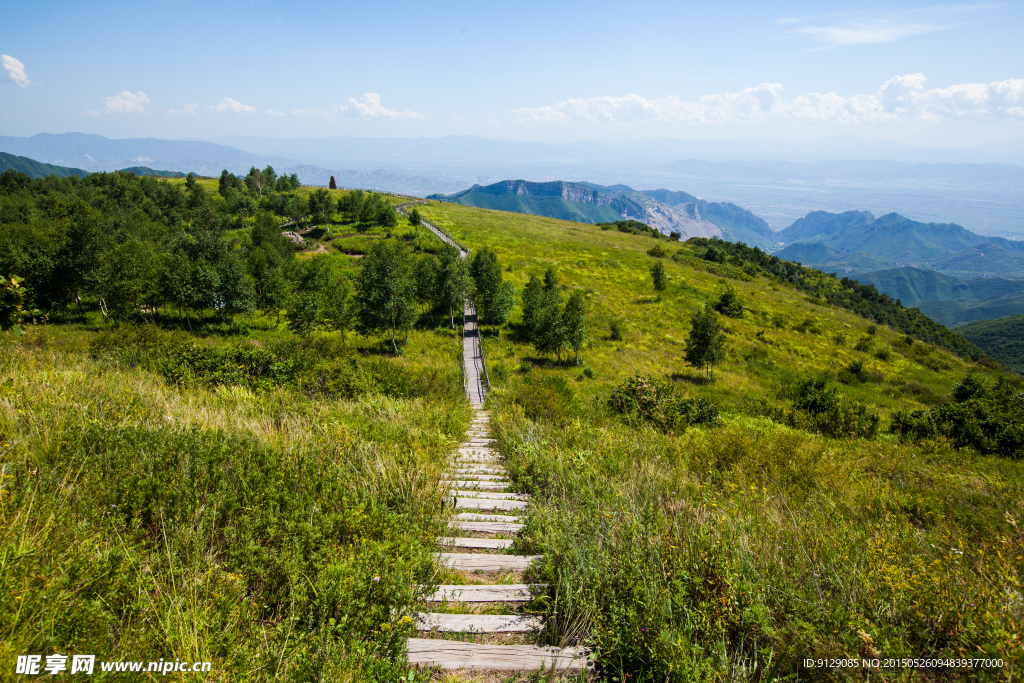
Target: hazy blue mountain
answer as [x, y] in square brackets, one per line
[590, 203]
[911, 285]
[36, 169]
[953, 313]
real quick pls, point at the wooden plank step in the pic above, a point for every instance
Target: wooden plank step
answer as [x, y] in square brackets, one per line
[490, 495]
[476, 485]
[477, 623]
[488, 527]
[477, 458]
[485, 562]
[474, 476]
[450, 654]
[463, 503]
[510, 516]
[512, 592]
[488, 543]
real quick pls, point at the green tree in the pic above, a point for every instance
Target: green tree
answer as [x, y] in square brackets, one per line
[425, 275]
[128, 277]
[452, 282]
[12, 301]
[533, 301]
[349, 205]
[386, 292]
[574, 321]
[271, 287]
[414, 218]
[340, 307]
[729, 304]
[307, 302]
[321, 206]
[235, 292]
[496, 314]
[659, 277]
[486, 274]
[706, 344]
[550, 335]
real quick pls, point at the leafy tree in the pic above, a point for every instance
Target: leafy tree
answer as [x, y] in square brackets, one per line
[659, 277]
[128, 277]
[340, 307]
[256, 181]
[550, 279]
[269, 283]
[227, 182]
[533, 300]
[12, 300]
[287, 183]
[305, 307]
[350, 205]
[333, 185]
[486, 274]
[386, 215]
[550, 334]
[386, 292]
[729, 304]
[706, 344]
[415, 219]
[320, 205]
[452, 282]
[496, 314]
[425, 275]
[235, 292]
[269, 177]
[574, 320]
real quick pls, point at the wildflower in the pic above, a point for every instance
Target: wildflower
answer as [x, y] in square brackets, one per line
[167, 418]
[376, 579]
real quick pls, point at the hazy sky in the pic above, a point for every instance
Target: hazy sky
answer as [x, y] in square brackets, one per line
[928, 74]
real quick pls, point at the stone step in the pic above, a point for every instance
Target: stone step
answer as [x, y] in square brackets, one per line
[513, 592]
[477, 623]
[464, 503]
[485, 562]
[450, 654]
[464, 542]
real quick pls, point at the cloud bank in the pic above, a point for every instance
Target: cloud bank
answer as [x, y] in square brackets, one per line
[15, 70]
[229, 104]
[900, 99]
[369, 106]
[125, 102]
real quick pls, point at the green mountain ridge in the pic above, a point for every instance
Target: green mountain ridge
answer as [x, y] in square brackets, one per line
[1002, 338]
[666, 210]
[37, 169]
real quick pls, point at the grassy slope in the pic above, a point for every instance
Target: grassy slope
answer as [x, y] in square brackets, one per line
[736, 552]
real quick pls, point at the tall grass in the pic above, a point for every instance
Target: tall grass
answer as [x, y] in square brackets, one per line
[276, 535]
[734, 553]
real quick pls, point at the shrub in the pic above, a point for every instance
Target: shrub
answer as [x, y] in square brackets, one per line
[657, 251]
[823, 410]
[656, 402]
[614, 331]
[729, 304]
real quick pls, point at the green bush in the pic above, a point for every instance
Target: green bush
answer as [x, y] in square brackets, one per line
[655, 401]
[818, 406]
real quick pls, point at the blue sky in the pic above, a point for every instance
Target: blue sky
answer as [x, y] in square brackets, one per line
[922, 73]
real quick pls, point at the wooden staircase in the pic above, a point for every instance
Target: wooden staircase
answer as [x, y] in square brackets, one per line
[484, 527]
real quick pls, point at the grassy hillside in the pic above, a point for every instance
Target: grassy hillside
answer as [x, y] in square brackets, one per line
[735, 551]
[1002, 338]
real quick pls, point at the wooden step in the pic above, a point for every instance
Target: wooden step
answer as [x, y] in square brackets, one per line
[486, 562]
[464, 503]
[488, 543]
[490, 495]
[510, 516]
[513, 592]
[473, 476]
[490, 459]
[475, 485]
[450, 654]
[477, 623]
[488, 527]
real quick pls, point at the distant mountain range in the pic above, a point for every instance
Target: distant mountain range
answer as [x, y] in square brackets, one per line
[87, 153]
[37, 169]
[856, 241]
[665, 210]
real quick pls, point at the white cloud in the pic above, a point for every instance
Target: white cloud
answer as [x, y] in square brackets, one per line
[233, 105]
[866, 33]
[369, 106]
[903, 98]
[844, 29]
[271, 112]
[15, 70]
[125, 102]
[191, 109]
